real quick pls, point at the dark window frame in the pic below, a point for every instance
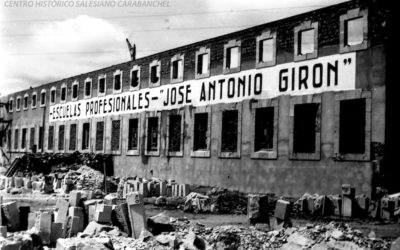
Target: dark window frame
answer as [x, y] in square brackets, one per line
[304, 26]
[265, 35]
[50, 138]
[171, 114]
[133, 150]
[115, 151]
[202, 153]
[83, 145]
[149, 115]
[230, 107]
[350, 15]
[200, 52]
[227, 56]
[135, 68]
[100, 137]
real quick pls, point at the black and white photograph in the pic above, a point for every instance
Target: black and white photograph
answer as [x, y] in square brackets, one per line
[198, 125]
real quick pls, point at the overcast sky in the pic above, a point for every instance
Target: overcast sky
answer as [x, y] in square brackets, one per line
[43, 44]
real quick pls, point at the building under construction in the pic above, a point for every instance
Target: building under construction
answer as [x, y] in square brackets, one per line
[297, 105]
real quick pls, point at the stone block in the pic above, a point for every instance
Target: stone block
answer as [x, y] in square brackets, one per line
[103, 213]
[11, 214]
[57, 184]
[362, 205]
[62, 210]
[27, 182]
[150, 188]
[169, 190]
[56, 232]
[347, 206]
[156, 191]
[23, 217]
[32, 217]
[75, 198]
[184, 190]
[122, 218]
[257, 208]
[3, 231]
[44, 226]
[37, 185]
[77, 212]
[282, 209]
[387, 208]
[163, 188]
[18, 182]
[72, 227]
[348, 190]
[91, 211]
[10, 182]
[136, 213]
[337, 205]
[143, 189]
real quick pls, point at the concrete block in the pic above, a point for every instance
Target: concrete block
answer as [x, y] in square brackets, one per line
[175, 190]
[136, 213]
[184, 190]
[257, 208]
[10, 182]
[56, 232]
[91, 211]
[32, 217]
[347, 206]
[150, 189]
[57, 184]
[387, 208]
[143, 189]
[103, 213]
[169, 190]
[72, 227]
[3, 182]
[77, 212]
[11, 214]
[362, 205]
[122, 217]
[337, 205]
[18, 182]
[3, 231]
[75, 198]
[62, 210]
[282, 209]
[156, 192]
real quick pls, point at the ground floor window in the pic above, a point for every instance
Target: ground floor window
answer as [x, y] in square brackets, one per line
[99, 136]
[85, 136]
[200, 141]
[304, 132]
[133, 134]
[229, 132]
[152, 134]
[23, 141]
[175, 133]
[32, 138]
[16, 137]
[264, 129]
[61, 135]
[50, 141]
[72, 137]
[41, 134]
[115, 135]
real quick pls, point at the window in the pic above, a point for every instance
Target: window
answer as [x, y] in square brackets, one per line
[100, 136]
[50, 142]
[306, 41]
[18, 108]
[230, 132]
[75, 88]
[9, 136]
[61, 136]
[266, 49]
[305, 140]
[202, 63]
[155, 72]
[72, 137]
[32, 138]
[353, 126]
[177, 63]
[102, 85]
[53, 95]
[85, 136]
[232, 56]
[117, 83]
[34, 100]
[23, 140]
[16, 137]
[152, 134]
[115, 135]
[63, 93]
[264, 128]
[354, 30]
[11, 105]
[43, 98]
[41, 135]
[133, 134]
[175, 134]
[88, 88]
[135, 78]
[201, 132]
[26, 101]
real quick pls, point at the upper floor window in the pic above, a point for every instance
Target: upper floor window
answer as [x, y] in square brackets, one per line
[202, 63]
[11, 105]
[266, 49]
[306, 41]
[63, 93]
[88, 87]
[177, 63]
[155, 72]
[18, 108]
[34, 100]
[117, 84]
[53, 95]
[75, 88]
[26, 97]
[135, 78]
[101, 88]
[354, 30]
[232, 56]
[43, 98]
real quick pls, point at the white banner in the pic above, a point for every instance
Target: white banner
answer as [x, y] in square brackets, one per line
[330, 73]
